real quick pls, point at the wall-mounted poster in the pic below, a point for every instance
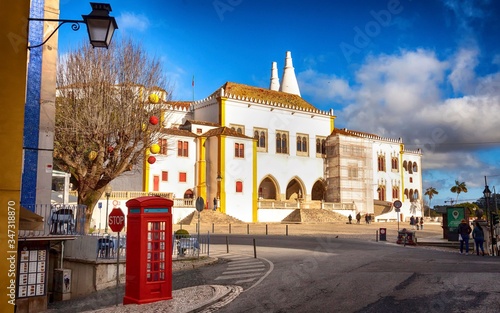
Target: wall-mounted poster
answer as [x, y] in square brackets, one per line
[32, 272]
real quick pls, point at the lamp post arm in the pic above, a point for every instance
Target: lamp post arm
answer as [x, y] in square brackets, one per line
[74, 27]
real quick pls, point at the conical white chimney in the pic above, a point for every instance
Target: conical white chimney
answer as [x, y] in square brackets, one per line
[275, 81]
[289, 81]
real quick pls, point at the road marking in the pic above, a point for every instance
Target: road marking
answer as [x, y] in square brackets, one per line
[243, 271]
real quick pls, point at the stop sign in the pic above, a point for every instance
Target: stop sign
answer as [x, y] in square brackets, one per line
[116, 220]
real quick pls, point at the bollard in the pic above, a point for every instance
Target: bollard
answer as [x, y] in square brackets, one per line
[229, 227]
[254, 249]
[376, 235]
[208, 243]
[227, 245]
[213, 228]
[286, 229]
[266, 229]
[248, 229]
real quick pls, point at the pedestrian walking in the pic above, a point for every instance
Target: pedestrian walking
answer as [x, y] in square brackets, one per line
[463, 235]
[350, 218]
[417, 223]
[478, 236]
[215, 204]
[412, 222]
[358, 218]
[422, 223]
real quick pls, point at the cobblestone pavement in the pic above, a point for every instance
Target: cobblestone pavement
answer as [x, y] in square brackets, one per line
[185, 277]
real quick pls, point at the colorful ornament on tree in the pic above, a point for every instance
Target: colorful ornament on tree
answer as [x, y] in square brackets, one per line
[153, 98]
[153, 120]
[92, 155]
[111, 149]
[155, 148]
[151, 159]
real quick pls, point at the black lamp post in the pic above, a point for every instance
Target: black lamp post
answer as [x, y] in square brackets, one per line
[487, 196]
[107, 192]
[219, 179]
[100, 25]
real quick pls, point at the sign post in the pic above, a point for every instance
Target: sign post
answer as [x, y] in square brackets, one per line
[116, 222]
[398, 204]
[200, 204]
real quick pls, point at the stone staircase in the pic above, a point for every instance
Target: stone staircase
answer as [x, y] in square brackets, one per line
[313, 216]
[209, 216]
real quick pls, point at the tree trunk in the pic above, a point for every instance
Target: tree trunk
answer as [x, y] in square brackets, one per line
[89, 198]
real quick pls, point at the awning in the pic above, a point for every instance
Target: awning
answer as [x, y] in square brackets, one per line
[28, 220]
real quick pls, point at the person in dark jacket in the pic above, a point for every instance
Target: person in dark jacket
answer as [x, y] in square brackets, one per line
[478, 235]
[463, 235]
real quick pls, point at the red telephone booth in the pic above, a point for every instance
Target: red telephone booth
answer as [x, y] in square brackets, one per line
[149, 246]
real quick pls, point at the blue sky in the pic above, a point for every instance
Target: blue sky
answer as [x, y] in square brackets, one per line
[427, 71]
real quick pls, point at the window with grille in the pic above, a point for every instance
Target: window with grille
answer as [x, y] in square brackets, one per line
[261, 136]
[182, 148]
[156, 261]
[163, 146]
[239, 150]
[381, 163]
[240, 129]
[320, 146]
[302, 143]
[282, 142]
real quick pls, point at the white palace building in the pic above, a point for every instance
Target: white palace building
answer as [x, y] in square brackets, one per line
[259, 154]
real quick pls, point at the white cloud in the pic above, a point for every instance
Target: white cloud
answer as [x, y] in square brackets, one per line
[133, 22]
[462, 76]
[324, 87]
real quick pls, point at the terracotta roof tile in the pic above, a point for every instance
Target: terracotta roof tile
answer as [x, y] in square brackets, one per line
[266, 95]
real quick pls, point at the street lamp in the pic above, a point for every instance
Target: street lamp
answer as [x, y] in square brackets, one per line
[100, 25]
[219, 179]
[487, 195]
[107, 192]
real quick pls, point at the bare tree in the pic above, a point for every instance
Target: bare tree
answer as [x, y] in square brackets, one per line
[104, 104]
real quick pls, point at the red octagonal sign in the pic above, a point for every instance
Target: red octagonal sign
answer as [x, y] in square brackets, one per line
[116, 220]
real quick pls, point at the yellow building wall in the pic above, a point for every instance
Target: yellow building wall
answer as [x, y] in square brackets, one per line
[13, 56]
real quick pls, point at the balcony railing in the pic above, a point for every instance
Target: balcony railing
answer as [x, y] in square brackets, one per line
[58, 219]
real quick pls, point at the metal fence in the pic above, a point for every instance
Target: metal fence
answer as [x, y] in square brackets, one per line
[58, 219]
[190, 246]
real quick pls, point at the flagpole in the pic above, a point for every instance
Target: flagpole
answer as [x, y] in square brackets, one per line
[192, 84]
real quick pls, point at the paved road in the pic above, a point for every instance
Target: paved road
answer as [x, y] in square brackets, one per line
[343, 275]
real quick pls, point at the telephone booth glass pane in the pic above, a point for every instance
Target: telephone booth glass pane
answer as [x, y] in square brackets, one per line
[155, 266]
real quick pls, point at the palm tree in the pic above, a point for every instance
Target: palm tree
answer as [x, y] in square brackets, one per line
[430, 192]
[458, 188]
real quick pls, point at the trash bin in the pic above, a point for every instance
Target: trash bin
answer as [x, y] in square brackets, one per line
[382, 234]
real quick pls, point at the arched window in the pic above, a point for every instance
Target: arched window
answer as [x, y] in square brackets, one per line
[239, 186]
[262, 139]
[381, 193]
[410, 167]
[415, 167]
[278, 143]
[281, 142]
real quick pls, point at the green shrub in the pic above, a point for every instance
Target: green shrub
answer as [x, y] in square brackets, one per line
[181, 233]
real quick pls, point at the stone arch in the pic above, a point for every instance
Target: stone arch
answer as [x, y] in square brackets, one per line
[295, 189]
[188, 194]
[269, 188]
[318, 190]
